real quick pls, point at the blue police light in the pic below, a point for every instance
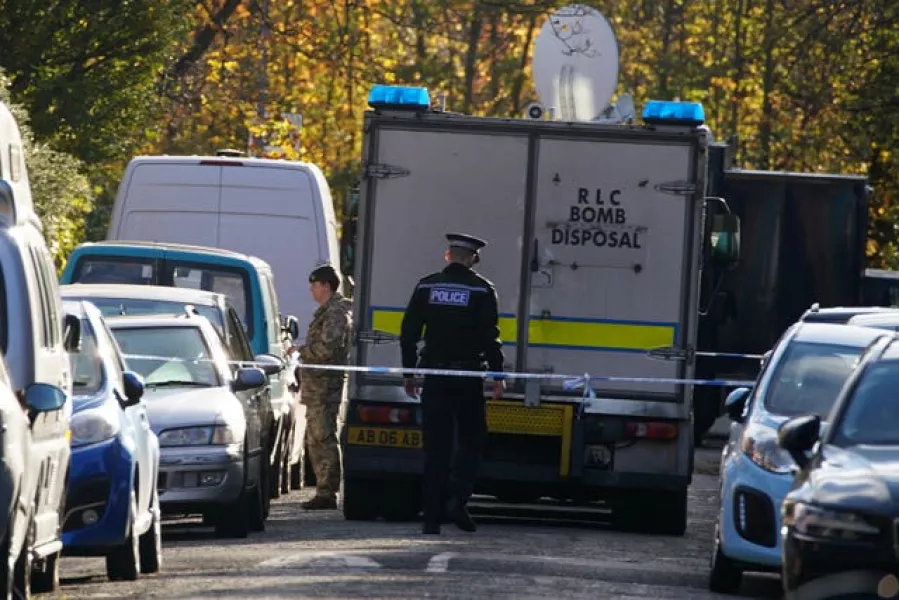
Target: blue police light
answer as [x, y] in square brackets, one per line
[663, 112]
[399, 97]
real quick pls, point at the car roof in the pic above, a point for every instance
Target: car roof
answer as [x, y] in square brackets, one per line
[832, 333]
[171, 246]
[877, 318]
[129, 321]
[141, 292]
[838, 314]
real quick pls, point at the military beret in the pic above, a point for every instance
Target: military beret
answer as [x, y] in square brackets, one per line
[324, 274]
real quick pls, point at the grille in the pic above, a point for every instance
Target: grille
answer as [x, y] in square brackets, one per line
[754, 517]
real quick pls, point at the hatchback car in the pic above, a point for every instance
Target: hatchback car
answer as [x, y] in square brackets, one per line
[133, 300]
[112, 507]
[842, 512]
[207, 418]
[803, 375]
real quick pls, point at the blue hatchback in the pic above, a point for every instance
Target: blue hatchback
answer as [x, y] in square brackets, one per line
[802, 375]
[112, 507]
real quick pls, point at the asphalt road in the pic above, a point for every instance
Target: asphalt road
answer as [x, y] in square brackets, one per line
[319, 555]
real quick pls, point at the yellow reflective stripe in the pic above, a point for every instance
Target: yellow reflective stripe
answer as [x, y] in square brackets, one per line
[560, 333]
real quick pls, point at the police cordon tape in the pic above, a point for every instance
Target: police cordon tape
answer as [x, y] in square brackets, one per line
[570, 382]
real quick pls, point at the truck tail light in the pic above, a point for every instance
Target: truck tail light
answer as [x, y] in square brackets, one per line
[652, 430]
[386, 415]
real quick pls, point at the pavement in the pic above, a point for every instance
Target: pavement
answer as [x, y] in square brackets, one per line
[320, 555]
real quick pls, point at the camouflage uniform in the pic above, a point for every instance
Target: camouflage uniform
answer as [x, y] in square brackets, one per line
[327, 342]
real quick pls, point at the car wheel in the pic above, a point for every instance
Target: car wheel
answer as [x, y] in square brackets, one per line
[234, 519]
[274, 483]
[296, 476]
[724, 576]
[46, 579]
[21, 584]
[150, 543]
[257, 504]
[7, 568]
[123, 562]
[284, 467]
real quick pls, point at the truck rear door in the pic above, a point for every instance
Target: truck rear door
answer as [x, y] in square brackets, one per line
[614, 237]
[440, 182]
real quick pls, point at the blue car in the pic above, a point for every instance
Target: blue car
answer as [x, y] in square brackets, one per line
[803, 374]
[112, 506]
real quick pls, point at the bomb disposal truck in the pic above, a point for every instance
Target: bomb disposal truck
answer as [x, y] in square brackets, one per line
[597, 235]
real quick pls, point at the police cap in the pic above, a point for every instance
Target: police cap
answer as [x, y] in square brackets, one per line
[469, 242]
[325, 274]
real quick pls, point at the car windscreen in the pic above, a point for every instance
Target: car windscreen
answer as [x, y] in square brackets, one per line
[168, 355]
[115, 270]
[111, 307]
[808, 378]
[233, 283]
[872, 416]
[87, 367]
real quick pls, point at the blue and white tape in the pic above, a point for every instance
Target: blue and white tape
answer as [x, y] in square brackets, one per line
[570, 382]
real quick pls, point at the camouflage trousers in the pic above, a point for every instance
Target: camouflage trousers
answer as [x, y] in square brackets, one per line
[323, 439]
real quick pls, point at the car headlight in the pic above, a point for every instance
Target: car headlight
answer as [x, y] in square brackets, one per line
[759, 444]
[208, 435]
[94, 425]
[823, 523]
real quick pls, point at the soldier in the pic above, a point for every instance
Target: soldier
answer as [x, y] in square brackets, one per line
[458, 310]
[327, 342]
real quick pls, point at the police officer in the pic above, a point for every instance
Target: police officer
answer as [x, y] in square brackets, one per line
[458, 310]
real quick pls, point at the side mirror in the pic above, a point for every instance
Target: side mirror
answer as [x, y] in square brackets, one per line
[269, 363]
[72, 335]
[725, 241]
[134, 388]
[798, 436]
[291, 327]
[735, 404]
[248, 379]
[43, 397]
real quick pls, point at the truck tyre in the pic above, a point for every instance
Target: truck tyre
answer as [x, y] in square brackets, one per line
[660, 512]
[360, 499]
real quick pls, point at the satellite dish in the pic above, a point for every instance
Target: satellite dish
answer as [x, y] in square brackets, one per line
[576, 63]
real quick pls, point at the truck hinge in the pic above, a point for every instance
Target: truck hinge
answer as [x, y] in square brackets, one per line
[385, 171]
[375, 336]
[671, 353]
[677, 188]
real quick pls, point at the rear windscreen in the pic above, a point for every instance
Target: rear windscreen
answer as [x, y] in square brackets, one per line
[115, 270]
[233, 283]
[111, 307]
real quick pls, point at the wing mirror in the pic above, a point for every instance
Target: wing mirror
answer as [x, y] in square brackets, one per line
[248, 379]
[291, 327]
[725, 241]
[798, 436]
[42, 398]
[735, 404]
[134, 388]
[269, 363]
[72, 336]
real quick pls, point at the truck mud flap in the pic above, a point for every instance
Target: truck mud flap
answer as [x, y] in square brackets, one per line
[511, 423]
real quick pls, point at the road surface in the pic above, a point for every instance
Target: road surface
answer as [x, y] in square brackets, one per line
[319, 555]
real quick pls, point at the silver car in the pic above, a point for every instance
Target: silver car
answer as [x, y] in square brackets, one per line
[207, 419]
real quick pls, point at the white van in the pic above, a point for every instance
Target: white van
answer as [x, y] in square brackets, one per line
[35, 338]
[278, 210]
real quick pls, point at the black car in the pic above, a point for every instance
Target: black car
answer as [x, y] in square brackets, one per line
[842, 513]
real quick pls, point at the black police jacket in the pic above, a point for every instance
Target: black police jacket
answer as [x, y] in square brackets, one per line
[458, 310]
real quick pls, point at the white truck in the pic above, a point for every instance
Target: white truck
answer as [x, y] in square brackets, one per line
[596, 237]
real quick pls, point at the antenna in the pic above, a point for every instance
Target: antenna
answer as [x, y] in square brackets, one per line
[576, 63]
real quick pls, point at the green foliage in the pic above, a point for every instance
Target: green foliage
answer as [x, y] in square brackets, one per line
[61, 192]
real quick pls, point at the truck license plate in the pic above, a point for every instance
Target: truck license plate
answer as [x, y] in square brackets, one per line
[391, 438]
